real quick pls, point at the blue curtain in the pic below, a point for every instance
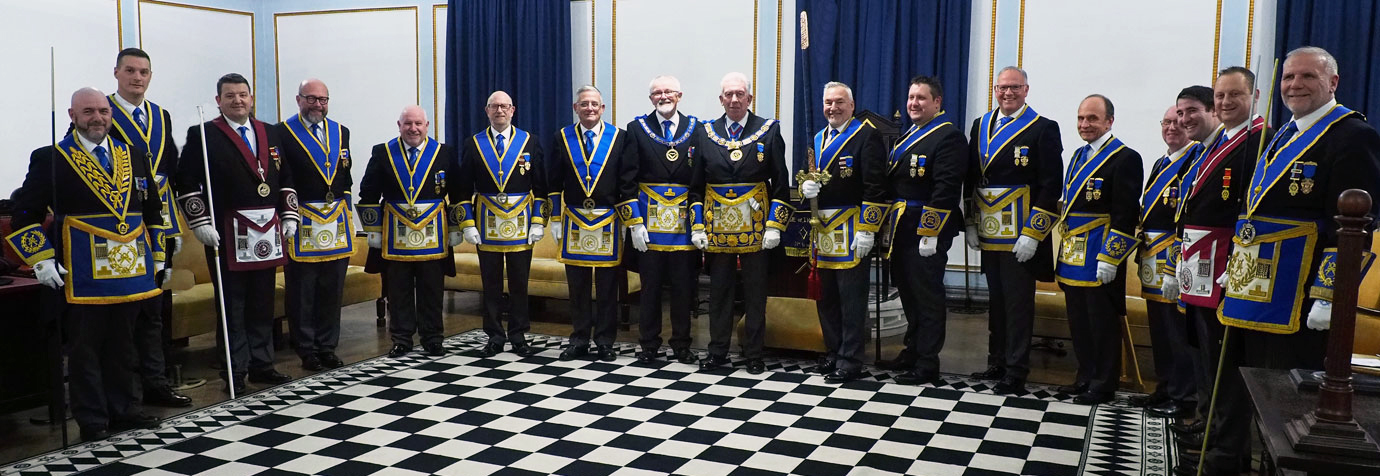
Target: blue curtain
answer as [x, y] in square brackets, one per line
[876, 46]
[518, 46]
[1350, 30]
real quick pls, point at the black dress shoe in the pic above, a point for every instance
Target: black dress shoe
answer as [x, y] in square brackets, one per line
[1078, 388]
[712, 362]
[606, 353]
[913, 377]
[904, 360]
[491, 349]
[130, 422]
[842, 376]
[398, 350]
[1009, 385]
[826, 365]
[269, 376]
[237, 385]
[573, 352]
[1187, 428]
[647, 356]
[1151, 400]
[164, 396]
[684, 356]
[1093, 398]
[94, 434]
[312, 363]
[1192, 441]
[525, 350]
[755, 366]
[993, 372]
[435, 349]
[1169, 409]
[330, 360]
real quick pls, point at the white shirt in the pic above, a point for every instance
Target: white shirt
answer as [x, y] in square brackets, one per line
[675, 121]
[598, 130]
[741, 124]
[1179, 153]
[1307, 121]
[1230, 133]
[507, 136]
[1098, 143]
[91, 146]
[130, 107]
[248, 132]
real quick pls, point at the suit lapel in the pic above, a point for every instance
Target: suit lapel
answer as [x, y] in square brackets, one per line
[238, 143]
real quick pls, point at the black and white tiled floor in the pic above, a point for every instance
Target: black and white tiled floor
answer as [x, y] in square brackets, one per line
[466, 415]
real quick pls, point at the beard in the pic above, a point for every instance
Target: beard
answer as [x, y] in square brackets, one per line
[666, 108]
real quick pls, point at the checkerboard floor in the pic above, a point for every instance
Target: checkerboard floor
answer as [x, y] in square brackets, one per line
[463, 414]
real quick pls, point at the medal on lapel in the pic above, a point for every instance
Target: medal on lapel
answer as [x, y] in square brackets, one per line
[919, 163]
[264, 189]
[1294, 179]
[1097, 190]
[690, 156]
[345, 158]
[524, 163]
[1022, 156]
[1309, 168]
[761, 152]
[1226, 183]
[846, 166]
[440, 181]
[273, 151]
[672, 154]
[1088, 192]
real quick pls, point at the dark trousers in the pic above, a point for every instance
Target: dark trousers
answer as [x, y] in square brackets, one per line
[676, 268]
[491, 268]
[414, 300]
[723, 279]
[1174, 359]
[593, 319]
[148, 342]
[842, 310]
[1208, 334]
[1011, 313]
[314, 292]
[920, 281]
[103, 382]
[248, 298]
[1095, 326]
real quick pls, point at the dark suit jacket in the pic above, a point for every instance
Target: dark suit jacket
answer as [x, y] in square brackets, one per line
[379, 184]
[1120, 177]
[652, 166]
[946, 165]
[234, 182]
[475, 176]
[1044, 176]
[308, 182]
[617, 183]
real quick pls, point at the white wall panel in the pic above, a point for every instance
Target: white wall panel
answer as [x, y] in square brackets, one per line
[440, 38]
[581, 35]
[184, 74]
[368, 60]
[84, 35]
[1139, 54]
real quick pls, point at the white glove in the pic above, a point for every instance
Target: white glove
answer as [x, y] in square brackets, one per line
[1170, 288]
[1222, 279]
[639, 237]
[809, 189]
[375, 239]
[1106, 272]
[177, 245]
[970, 235]
[456, 238]
[161, 272]
[534, 233]
[289, 227]
[771, 238]
[557, 232]
[472, 235]
[862, 242]
[1320, 317]
[49, 273]
[700, 239]
[207, 236]
[1025, 248]
[928, 245]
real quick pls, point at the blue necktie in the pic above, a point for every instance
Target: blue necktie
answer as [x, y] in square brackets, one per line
[103, 157]
[244, 134]
[1083, 153]
[1003, 121]
[733, 130]
[1284, 136]
[139, 119]
[668, 131]
[501, 146]
[316, 131]
[589, 142]
[412, 157]
[832, 134]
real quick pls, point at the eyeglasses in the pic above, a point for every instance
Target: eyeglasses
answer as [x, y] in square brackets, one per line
[665, 92]
[322, 100]
[588, 104]
[1167, 122]
[500, 107]
[1006, 88]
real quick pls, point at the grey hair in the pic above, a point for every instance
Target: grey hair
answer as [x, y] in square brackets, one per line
[735, 77]
[675, 83]
[1024, 76]
[836, 84]
[587, 88]
[1328, 59]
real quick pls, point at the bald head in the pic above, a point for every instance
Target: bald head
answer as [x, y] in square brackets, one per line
[500, 110]
[412, 125]
[312, 101]
[90, 114]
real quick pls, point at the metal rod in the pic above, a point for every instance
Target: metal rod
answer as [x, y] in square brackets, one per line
[215, 251]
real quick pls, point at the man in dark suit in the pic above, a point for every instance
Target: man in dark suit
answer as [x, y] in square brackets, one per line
[1210, 199]
[924, 175]
[661, 140]
[504, 195]
[850, 209]
[1287, 214]
[739, 205]
[317, 149]
[403, 206]
[1175, 396]
[1014, 170]
[1097, 227]
[593, 192]
[104, 281]
[255, 206]
[148, 129]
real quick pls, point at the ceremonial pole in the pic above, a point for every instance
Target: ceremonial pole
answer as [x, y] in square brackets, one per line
[220, 280]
